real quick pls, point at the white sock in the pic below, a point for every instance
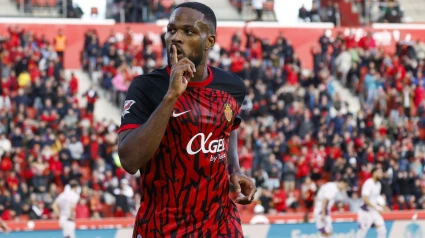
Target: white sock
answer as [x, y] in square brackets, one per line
[382, 232]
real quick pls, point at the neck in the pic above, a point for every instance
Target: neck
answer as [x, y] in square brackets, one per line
[375, 179]
[201, 73]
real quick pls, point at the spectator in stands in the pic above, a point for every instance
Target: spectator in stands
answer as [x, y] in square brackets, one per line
[392, 13]
[258, 7]
[354, 203]
[332, 13]
[308, 189]
[279, 200]
[314, 14]
[60, 44]
[303, 14]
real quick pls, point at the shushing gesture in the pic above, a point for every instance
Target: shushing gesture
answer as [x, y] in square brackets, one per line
[181, 72]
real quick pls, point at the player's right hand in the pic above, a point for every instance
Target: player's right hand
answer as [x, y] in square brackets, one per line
[181, 72]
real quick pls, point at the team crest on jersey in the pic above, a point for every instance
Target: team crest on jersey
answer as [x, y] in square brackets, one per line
[127, 105]
[228, 113]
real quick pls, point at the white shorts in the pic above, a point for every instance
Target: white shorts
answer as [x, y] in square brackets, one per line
[68, 228]
[367, 219]
[323, 226]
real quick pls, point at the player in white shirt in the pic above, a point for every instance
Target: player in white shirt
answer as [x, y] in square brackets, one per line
[370, 212]
[64, 208]
[324, 201]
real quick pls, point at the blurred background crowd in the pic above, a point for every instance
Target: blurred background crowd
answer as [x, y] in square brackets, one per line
[297, 131]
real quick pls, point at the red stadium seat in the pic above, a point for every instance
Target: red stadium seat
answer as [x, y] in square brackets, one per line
[107, 210]
[24, 217]
[41, 3]
[51, 3]
[268, 6]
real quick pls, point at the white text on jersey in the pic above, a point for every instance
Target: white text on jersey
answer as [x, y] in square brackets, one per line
[213, 147]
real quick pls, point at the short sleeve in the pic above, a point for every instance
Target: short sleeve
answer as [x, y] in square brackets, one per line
[331, 194]
[366, 189]
[137, 107]
[240, 98]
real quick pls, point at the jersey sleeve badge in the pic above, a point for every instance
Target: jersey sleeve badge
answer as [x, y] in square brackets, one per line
[127, 106]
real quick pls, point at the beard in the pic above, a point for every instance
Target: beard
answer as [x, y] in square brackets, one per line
[196, 60]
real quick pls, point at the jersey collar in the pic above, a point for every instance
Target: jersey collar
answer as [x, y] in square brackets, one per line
[198, 84]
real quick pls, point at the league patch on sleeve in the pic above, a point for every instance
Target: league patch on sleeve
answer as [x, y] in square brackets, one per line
[127, 106]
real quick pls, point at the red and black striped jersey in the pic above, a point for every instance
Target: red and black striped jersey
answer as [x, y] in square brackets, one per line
[185, 185]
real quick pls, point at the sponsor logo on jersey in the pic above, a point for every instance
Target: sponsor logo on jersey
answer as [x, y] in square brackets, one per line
[179, 114]
[127, 106]
[206, 146]
[228, 113]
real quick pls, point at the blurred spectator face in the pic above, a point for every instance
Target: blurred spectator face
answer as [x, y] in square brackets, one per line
[83, 202]
[66, 170]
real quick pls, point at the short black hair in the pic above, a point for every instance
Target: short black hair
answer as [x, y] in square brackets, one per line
[343, 180]
[374, 170]
[209, 14]
[73, 183]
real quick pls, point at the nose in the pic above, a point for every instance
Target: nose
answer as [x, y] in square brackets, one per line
[176, 38]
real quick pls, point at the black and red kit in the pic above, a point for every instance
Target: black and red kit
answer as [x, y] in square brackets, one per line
[185, 185]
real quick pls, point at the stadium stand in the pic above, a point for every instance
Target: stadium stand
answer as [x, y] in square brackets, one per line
[289, 134]
[290, 141]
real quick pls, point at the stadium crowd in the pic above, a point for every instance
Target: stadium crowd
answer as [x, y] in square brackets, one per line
[385, 11]
[48, 137]
[297, 131]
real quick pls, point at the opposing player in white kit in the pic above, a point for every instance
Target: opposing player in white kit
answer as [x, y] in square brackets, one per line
[64, 207]
[324, 201]
[370, 212]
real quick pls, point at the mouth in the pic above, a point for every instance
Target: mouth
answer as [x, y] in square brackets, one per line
[179, 52]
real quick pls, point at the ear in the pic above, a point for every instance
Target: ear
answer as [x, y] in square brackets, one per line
[210, 42]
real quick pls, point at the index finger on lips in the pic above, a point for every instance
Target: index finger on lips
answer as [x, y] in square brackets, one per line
[174, 56]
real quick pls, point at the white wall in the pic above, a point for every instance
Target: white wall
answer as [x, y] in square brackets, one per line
[287, 10]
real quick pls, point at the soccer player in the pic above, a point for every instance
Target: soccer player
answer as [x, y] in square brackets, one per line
[64, 208]
[370, 212]
[324, 201]
[178, 128]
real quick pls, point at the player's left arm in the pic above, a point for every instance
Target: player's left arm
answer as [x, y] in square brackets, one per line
[242, 183]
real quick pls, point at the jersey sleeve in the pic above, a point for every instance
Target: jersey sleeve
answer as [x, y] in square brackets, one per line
[240, 98]
[137, 106]
[331, 192]
[366, 190]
